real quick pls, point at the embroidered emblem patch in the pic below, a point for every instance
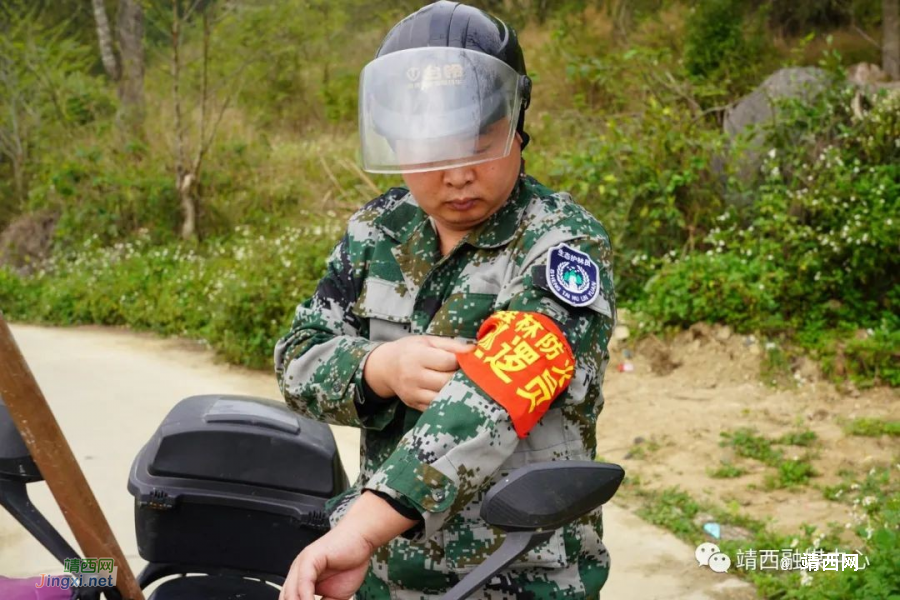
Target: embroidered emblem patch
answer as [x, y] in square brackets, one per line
[523, 362]
[572, 275]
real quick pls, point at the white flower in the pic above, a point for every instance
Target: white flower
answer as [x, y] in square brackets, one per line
[772, 153]
[805, 578]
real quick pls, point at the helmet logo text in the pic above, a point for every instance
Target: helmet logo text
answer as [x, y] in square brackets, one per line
[435, 75]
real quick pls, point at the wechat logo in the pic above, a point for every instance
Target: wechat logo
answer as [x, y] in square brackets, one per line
[709, 555]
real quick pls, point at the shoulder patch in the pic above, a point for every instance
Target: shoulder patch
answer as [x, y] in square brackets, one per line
[572, 275]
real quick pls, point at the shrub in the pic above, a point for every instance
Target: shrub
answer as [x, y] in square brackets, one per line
[236, 294]
[815, 255]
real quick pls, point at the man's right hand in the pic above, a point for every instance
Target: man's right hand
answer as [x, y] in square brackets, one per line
[413, 368]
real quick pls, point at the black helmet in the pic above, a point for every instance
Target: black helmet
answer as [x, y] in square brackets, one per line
[457, 25]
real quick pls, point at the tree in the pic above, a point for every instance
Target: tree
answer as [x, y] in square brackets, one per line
[130, 31]
[107, 54]
[890, 44]
[189, 155]
[128, 72]
[37, 63]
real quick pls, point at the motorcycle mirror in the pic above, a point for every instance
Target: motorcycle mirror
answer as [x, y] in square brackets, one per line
[534, 501]
[549, 495]
[17, 469]
[15, 460]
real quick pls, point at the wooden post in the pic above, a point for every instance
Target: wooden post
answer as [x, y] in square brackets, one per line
[51, 452]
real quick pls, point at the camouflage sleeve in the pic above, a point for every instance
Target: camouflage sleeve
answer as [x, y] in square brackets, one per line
[463, 438]
[319, 363]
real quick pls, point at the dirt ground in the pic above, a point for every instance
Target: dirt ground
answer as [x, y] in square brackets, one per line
[678, 412]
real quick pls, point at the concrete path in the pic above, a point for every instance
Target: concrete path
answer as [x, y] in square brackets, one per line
[109, 390]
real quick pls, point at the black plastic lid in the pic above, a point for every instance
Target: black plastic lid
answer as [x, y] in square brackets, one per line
[227, 446]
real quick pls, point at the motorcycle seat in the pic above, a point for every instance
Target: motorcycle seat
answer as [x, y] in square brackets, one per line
[214, 588]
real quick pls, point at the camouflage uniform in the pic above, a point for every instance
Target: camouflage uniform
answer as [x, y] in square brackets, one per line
[387, 279]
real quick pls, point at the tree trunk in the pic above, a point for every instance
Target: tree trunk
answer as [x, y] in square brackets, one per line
[184, 179]
[188, 207]
[105, 39]
[890, 44]
[18, 166]
[130, 30]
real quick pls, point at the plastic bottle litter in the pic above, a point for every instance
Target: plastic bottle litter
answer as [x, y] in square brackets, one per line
[713, 529]
[626, 367]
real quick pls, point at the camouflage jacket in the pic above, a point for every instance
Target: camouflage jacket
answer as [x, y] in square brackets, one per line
[385, 279]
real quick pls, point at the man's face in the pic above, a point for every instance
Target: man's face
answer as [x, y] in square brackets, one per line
[460, 198]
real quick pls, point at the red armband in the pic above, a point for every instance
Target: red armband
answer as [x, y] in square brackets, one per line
[523, 362]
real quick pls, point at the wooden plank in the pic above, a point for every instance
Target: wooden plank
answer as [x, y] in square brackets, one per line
[51, 452]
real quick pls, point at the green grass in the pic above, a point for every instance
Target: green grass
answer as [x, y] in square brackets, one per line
[748, 444]
[727, 470]
[791, 473]
[643, 449]
[804, 438]
[787, 472]
[872, 427]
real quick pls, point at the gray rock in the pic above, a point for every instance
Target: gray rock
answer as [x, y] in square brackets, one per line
[749, 115]
[758, 107]
[26, 242]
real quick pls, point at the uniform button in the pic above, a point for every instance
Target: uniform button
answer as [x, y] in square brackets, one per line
[438, 495]
[336, 386]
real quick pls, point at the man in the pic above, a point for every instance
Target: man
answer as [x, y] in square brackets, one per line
[472, 249]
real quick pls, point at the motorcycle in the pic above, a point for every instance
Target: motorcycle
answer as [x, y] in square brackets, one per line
[229, 489]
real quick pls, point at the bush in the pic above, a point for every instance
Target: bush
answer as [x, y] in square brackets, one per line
[652, 175]
[815, 256]
[107, 195]
[720, 46]
[236, 294]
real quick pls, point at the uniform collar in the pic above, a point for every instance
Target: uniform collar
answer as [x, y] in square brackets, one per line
[400, 219]
[405, 216]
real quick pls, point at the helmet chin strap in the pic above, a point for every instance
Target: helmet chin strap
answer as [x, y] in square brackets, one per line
[520, 129]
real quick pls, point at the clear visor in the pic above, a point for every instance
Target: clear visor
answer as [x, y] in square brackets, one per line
[425, 109]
